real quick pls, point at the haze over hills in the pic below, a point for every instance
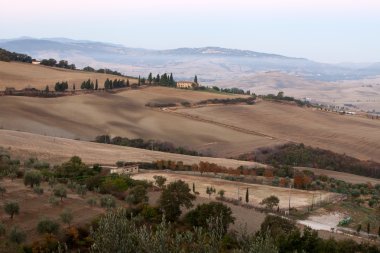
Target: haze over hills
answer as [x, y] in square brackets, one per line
[211, 63]
[262, 73]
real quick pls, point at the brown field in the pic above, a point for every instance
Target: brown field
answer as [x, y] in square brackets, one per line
[57, 150]
[299, 198]
[34, 207]
[23, 75]
[124, 114]
[355, 136]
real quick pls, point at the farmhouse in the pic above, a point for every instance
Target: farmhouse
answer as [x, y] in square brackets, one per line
[186, 85]
[128, 169]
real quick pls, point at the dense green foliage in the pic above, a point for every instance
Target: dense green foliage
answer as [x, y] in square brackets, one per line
[11, 208]
[175, 195]
[229, 101]
[202, 214]
[301, 155]
[61, 86]
[280, 97]
[12, 56]
[47, 226]
[61, 64]
[163, 80]
[149, 144]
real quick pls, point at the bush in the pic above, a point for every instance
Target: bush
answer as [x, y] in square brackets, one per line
[107, 201]
[2, 229]
[38, 190]
[136, 195]
[53, 201]
[16, 235]
[47, 226]
[2, 190]
[92, 202]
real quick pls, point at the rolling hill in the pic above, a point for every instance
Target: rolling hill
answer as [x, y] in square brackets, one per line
[22, 75]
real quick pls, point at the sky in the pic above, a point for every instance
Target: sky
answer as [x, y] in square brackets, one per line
[330, 31]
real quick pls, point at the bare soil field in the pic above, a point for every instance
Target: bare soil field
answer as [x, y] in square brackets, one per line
[350, 178]
[299, 198]
[125, 114]
[355, 136]
[35, 207]
[23, 75]
[57, 150]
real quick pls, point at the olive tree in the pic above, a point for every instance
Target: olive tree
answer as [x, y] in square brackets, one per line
[11, 208]
[32, 177]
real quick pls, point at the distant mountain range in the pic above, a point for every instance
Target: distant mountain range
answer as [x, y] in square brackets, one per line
[211, 64]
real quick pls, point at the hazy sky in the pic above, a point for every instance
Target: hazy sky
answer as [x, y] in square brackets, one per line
[322, 30]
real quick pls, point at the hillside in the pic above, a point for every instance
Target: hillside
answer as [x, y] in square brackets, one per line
[217, 130]
[355, 136]
[57, 150]
[125, 114]
[22, 75]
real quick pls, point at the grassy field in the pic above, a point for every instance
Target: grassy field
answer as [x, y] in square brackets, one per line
[57, 150]
[299, 198]
[22, 75]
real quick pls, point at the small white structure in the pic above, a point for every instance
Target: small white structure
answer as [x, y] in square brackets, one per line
[186, 85]
[35, 62]
[128, 169]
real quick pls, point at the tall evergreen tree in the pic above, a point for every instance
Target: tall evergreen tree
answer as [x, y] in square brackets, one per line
[150, 78]
[247, 196]
[139, 82]
[195, 79]
[127, 82]
[96, 84]
[171, 79]
[158, 78]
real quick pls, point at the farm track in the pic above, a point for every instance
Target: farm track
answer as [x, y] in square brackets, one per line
[235, 128]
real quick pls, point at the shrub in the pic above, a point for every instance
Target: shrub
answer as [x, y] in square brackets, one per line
[38, 190]
[66, 216]
[16, 235]
[120, 163]
[53, 201]
[2, 190]
[2, 229]
[92, 202]
[136, 195]
[107, 201]
[47, 226]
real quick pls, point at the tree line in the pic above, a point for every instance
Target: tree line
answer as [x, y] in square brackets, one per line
[156, 145]
[12, 56]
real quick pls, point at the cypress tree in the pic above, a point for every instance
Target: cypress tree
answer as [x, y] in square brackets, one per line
[127, 82]
[195, 79]
[247, 196]
[96, 84]
[150, 78]
[74, 86]
[171, 79]
[139, 82]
